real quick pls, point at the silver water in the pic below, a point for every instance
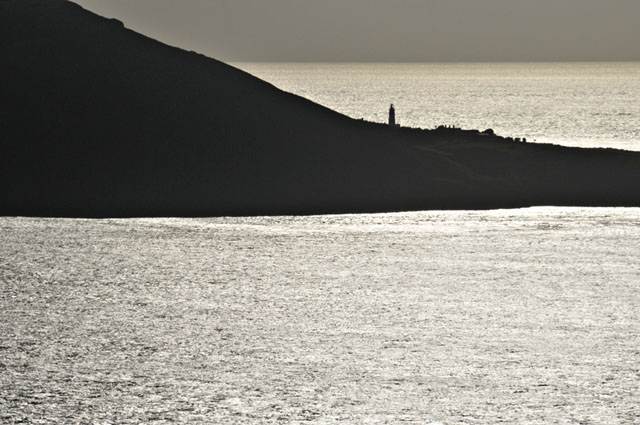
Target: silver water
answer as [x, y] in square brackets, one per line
[513, 316]
[574, 104]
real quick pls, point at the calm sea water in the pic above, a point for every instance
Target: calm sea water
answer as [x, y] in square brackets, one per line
[525, 316]
[574, 104]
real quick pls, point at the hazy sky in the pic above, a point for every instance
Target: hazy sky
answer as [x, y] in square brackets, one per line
[389, 30]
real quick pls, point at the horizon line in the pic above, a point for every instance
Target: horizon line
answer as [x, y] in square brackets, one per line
[430, 61]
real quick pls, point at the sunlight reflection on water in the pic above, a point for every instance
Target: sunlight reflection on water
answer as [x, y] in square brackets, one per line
[519, 316]
[574, 104]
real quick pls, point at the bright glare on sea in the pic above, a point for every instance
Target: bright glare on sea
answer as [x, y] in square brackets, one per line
[525, 316]
[574, 104]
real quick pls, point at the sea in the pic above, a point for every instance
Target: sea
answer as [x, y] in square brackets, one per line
[584, 104]
[519, 316]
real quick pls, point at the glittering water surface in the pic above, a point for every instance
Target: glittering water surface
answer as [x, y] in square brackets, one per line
[522, 316]
[574, 104]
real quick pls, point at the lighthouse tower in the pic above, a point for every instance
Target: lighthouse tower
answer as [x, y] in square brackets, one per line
[392, 116]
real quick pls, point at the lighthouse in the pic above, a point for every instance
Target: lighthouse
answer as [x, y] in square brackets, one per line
[392, 116]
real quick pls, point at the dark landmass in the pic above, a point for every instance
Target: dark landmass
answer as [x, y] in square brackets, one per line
[99, 121]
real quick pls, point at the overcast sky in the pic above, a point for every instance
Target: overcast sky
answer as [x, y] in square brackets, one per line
[388, 30]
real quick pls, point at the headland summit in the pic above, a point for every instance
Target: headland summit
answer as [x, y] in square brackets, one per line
[99, 121]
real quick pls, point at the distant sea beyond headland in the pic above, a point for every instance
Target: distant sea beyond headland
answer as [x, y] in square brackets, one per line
[584, 104]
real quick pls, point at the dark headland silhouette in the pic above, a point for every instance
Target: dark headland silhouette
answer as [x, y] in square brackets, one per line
[99, 121]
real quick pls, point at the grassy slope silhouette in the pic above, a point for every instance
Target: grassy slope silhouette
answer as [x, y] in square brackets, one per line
[99, 121]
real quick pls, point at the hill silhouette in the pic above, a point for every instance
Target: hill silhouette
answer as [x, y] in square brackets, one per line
[99, 121]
